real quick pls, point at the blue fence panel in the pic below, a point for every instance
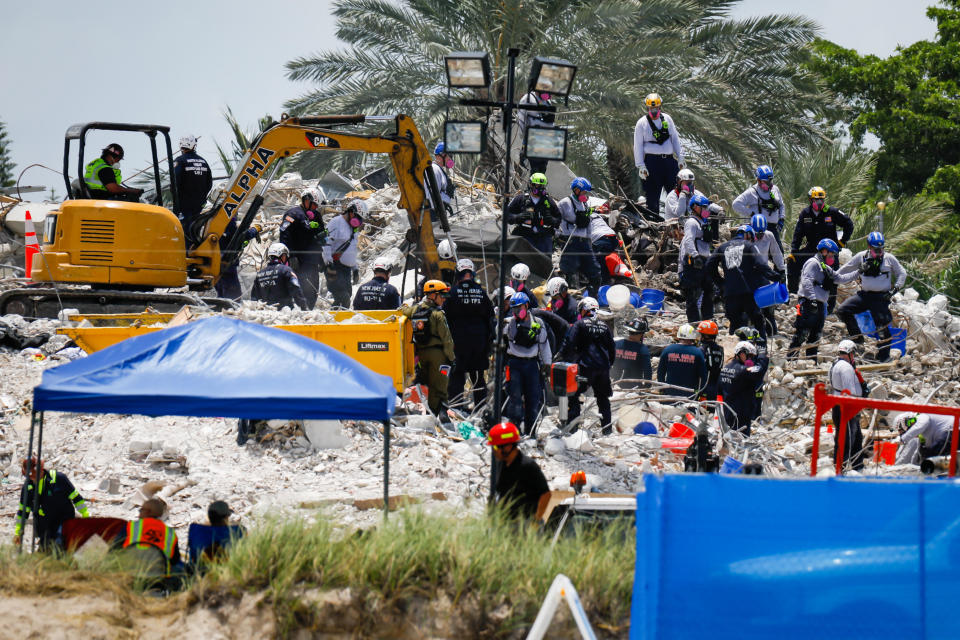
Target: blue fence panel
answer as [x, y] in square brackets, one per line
[733, 557]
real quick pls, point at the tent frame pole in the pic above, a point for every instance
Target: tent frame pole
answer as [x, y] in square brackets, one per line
[33, 422]
[386, 469]
[36, 484]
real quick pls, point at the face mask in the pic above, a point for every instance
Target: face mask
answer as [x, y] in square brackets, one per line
[558, 303]
[654, 113]
[537, 191]
[310, 214]
[829, 260]
[685, 188]
[748, 363]
[704, 213]
[116, 165]
[764, 185]
[355, 222]
[582, 197]
[817, 206]
[448, 163]
[522, 313]
[545, 96]
[876, 253]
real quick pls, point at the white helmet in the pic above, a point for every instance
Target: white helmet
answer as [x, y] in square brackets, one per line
[743, 345]
[188, 142]
[382, 264]
[557, 286]
[313, 193]
[685, 174]
[358, 205]
[520, 271]
[465, 264]
[905, 420]
[686, 332]
[507, 294]
[447, 249]
[277, 249]
[847, 346]
[588, 306]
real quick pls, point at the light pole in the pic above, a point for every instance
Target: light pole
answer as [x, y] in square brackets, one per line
[471, 70]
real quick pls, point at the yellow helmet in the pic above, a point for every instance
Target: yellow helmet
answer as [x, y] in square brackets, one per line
[434, 286]
[653, 100]
[817, 193]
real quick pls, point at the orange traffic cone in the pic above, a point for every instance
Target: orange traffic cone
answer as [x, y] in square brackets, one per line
[32, 246]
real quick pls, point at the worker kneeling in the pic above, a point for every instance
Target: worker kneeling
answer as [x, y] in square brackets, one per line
[922, 436]
[276, 283]
[433, 344]
[520, 482]
[527, 349]
[589, 343]
[738, 383]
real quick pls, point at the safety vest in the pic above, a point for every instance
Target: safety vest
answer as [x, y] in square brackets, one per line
[93, 180]
[151, 532]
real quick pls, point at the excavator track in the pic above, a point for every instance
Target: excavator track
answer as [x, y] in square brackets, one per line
[32, 302]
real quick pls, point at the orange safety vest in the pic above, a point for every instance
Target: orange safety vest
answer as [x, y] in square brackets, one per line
[150, 531]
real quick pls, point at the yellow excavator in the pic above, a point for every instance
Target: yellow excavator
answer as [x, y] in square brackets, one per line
[123, 252]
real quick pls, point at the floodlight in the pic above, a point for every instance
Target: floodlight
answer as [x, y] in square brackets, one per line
[468, 69]
[543, 143]
[464, 137]
[552, 75]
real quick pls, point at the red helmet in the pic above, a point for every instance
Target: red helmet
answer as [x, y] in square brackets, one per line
[708, 328]
[503, 433]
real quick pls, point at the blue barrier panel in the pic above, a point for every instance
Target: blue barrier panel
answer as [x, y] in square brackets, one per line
[739, 557]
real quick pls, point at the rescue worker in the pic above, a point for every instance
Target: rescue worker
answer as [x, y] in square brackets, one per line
[194, 179]
[471, 318]
[712, 356]
[657, 151]
[844, 376]
[377, 293]
[743, 273]
[816, 281]
[589, 344]
[59, 501]
[228, 285]
[881, 276]
[447, 250]
[577, 256]
[442, 161]
[519, 274]
[633, 357]
[695, 282]
[683, 365]
[527, 350]
[763, 198]
[922, 436]
[277, 283]
[561, 302]
[535, 215]
[751, 335]
[678, 202]
[603, 243]
[340, 251]
[815, 222]
[102, 177]
[150, 531]
[508, 292]
[542, 119]
[433, 345]
[520, 482]
[768, 248]
[303, 232]
[738, 382]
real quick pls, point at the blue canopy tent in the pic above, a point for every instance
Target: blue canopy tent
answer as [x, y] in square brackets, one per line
[219, 367]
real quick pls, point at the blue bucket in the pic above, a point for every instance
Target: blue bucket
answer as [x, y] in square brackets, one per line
[898, 339]
[771, 294]
[652, 299]
[645, 429]
[866, 324]
[731, 465]
[602, 295]
[635, 300]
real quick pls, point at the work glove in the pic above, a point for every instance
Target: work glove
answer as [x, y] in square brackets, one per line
[642, 170]
[254, 232]
[780, 224]
[681, 163]
[781, 277]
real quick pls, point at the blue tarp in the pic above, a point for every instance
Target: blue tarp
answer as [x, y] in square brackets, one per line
[219, 367]
[724, 557]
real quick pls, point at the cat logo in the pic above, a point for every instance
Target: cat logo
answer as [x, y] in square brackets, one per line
[319, 140]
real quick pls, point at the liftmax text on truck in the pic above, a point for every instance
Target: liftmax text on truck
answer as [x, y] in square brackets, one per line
[125, 250]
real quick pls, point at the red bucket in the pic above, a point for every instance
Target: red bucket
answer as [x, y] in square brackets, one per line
[886, 451]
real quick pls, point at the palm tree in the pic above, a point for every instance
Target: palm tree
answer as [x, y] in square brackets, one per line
[733, 86]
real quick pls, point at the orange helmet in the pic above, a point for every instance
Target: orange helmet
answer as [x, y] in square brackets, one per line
[503, 433]
[708, 328]
[434, 286]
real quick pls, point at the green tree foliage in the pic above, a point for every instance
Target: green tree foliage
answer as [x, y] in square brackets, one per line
[732, 86]
[909, 101]
[240, 144]
[6, 164]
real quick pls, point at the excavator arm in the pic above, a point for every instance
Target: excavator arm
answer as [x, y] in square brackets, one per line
[244, 196]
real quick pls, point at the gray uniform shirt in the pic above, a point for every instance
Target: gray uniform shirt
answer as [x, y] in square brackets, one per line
[890, 268]
[693, 243]
[766, 245]
[541, 347]
[747, 204]
[843, 377]
[812, 280]
[568, 216]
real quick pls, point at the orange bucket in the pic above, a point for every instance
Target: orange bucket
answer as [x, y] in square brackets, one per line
[680, 430]
[886, 451]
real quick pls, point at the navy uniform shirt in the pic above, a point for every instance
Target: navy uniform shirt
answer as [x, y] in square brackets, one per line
[376, 294]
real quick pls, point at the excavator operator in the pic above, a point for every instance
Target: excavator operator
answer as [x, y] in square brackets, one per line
[102, 177]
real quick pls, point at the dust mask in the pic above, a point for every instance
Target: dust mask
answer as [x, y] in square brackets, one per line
[582, 197]
[448, 163]
[874, 253]
[355, 222]
[816, 206]
[558, 303]
[522, 313]
[748, 363]
[654, 113]
[685, 188]
[829, 260]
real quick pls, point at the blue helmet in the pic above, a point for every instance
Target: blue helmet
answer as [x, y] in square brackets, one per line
[759, 223]
[519, 298]
[439, 149]
[581, 183]
[746, 231]
[875, 239]
[700, 200]
[764, 172]
[829, 245]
